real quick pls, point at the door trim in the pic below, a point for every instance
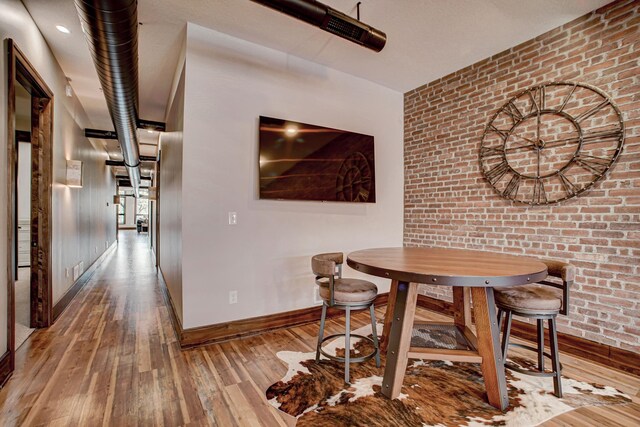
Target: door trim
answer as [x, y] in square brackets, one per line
[156, 205]
[20, 69]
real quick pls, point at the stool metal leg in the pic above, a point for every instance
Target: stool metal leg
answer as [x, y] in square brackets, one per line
[347, 344]
[374, 334]
[499, 318]
[555, 357]
[554, 354]
[505, 335]
[540, 344]
[321, 332]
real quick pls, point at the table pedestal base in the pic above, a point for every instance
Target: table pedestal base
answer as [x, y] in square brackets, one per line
[483, 348]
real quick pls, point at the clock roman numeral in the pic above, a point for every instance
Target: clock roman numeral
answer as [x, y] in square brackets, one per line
[502, 132]
[566, 100]
[539, 193]
[538, 104]
[497, 172]
[511, 191]
[590, 138]
[486, 152]
[596, 165]
[512, 111]
[592, 111]
[568, 186]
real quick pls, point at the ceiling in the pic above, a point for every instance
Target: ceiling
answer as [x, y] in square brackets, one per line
[426, 39]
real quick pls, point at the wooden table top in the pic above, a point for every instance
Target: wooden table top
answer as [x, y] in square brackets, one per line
[448, 267]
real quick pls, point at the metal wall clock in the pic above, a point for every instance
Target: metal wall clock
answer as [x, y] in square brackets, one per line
[551, 142]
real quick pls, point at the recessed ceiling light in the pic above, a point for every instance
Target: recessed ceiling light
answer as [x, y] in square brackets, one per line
[149, 131]
[63, 29]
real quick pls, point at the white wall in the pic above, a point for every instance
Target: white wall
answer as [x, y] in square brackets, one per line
[266, 257]
[24, 181]
[23, 108]
[171, 164]
[82, 221]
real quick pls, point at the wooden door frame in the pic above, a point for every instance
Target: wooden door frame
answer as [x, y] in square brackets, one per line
[157, 206]
[20, 69]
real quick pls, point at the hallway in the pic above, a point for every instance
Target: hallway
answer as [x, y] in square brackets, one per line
[113, 359]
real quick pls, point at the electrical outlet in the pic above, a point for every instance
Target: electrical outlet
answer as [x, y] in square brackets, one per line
[95, 250]
[66, 272]
[233, 297]
[233, 218]
[106, 244]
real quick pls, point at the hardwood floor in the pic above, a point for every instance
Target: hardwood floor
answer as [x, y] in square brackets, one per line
[113, 359]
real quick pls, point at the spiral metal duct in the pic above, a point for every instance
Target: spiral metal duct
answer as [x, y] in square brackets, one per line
[333, 21]
[111, 30]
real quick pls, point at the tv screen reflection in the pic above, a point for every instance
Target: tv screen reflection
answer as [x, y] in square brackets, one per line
[299, 161]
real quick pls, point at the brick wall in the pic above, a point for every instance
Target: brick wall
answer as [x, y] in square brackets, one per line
[449, 203]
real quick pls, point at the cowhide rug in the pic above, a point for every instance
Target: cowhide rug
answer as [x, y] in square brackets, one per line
[433, 394]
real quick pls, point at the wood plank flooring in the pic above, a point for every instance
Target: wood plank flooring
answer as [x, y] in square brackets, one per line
[112, 359]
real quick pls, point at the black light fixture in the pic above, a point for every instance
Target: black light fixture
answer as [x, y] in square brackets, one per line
[333, 21]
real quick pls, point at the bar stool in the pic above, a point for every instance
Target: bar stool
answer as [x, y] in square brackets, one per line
[540, 302]
[347, 295]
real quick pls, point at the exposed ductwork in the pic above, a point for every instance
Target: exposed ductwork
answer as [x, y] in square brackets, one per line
[330, 20]
[111, 29]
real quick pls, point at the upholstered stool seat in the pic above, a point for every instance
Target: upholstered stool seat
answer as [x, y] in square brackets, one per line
[347, 295]
[349, 291]
[542, 301]
[534, 298]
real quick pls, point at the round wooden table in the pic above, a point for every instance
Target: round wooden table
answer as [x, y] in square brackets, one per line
[471, 274]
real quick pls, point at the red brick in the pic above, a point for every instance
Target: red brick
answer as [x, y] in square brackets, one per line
[448, 203]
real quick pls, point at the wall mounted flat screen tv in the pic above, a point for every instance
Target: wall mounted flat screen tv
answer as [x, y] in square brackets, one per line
[299, 161]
